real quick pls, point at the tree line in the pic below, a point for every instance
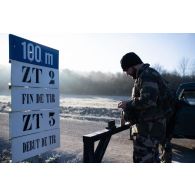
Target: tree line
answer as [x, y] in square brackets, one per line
[98, 83]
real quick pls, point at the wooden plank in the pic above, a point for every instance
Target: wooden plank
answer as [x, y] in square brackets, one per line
[88, 152]
[25, 123]
[24, 74]
[31, 145]
[104, 133]
[101, 149]
[97, 135]
[104, 136]
[34, 98]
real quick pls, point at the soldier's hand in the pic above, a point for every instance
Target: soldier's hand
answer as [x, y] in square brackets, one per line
[122, 105]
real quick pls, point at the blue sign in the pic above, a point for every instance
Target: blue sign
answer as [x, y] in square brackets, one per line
[30, 52]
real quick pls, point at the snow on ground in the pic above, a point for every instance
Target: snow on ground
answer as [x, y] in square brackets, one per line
[80, 116]
[92, 108]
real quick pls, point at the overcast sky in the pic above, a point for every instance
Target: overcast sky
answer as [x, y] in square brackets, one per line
[103, 51]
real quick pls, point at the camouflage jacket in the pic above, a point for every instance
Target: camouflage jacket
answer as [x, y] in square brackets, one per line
[146, 95]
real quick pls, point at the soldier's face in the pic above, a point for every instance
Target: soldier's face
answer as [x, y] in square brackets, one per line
[131, 71]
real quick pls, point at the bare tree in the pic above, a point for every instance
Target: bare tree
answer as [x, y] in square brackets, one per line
[183, 66]
[193, 68]
[159, 68]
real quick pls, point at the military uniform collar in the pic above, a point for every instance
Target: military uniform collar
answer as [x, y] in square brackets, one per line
[142, 69]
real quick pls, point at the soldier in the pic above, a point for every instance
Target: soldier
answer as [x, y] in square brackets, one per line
[145, 111]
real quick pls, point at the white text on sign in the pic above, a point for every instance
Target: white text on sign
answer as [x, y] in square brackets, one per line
[33, 52]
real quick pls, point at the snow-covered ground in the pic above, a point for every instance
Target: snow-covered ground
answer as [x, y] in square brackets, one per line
[82, 115]
[71, 142]
[92, 108]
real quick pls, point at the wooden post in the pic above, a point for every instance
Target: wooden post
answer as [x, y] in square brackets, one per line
[88, 154]
[101, 149]
[104, 136]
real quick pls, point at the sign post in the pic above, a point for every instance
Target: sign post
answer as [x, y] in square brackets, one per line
[34, 119]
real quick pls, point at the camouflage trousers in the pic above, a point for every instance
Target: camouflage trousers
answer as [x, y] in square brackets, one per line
[149, 135]
[145, 149]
